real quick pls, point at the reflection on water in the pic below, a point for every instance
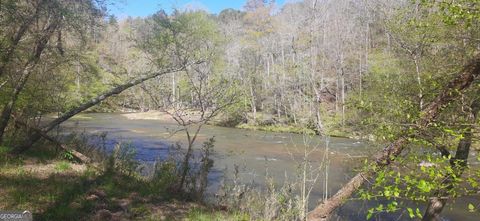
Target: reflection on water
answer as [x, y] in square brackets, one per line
[255, 151]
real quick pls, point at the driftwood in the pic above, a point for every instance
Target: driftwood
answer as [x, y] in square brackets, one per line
[452, 90]
[76, 154]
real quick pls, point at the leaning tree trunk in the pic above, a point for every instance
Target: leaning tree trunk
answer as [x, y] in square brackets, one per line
[8, 108]
[35, 136]
[40, 46]
[452, 90]
[458, 163]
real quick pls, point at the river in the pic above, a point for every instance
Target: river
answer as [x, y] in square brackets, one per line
[256, 152]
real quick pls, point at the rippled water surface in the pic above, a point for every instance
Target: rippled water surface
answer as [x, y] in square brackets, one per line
[256, 153]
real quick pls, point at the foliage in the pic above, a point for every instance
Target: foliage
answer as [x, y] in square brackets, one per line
[333, 67]
[464, 12]
[123, 159]
[412, 182]
[386, 108]
[427, 51]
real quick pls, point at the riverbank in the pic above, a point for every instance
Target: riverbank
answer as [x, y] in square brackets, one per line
[260, 126]
[53, 188]
[149, 115]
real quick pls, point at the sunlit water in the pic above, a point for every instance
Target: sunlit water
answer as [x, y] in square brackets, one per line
[256, 153]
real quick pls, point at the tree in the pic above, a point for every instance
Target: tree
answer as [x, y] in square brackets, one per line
[168, 47]
[210, 91]
[37, 39]
[452, 90]
[429, 124]
[458, 164]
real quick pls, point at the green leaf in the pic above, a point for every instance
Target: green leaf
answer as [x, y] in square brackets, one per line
[410, 213]
[471, 208]
[370, 213]
[419, 214]
[396, 192]
[392, 206]
[379, 208]
[387, 193]
[424, 186]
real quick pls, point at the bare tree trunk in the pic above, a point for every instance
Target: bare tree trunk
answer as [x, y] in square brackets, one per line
[174, 90]
[419, 81]
[337, 87]
[324, 53]
[185, 166]
[319, 124]
[451, 91]
[8, 108]
[293, 110]
[343, 98]
[458, 163]
[367, 43]
[188, 155]
[360, 75]
[253, 103]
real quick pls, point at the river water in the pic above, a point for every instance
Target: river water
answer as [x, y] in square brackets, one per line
[256, 153]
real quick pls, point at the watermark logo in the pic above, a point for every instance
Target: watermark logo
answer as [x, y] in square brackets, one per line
[15, 216]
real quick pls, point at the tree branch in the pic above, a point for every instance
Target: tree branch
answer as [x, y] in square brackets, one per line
[452, 90]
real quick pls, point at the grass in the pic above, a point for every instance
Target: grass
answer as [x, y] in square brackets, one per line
[4, 149]
[26, 191]
[279, 128]
[62, 166]
[62, 196]
[52, 189]
[205, 215]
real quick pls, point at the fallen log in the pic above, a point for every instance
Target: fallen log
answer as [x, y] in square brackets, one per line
[82, 158]
[452, 90]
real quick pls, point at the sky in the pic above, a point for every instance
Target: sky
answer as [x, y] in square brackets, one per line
[142, 8]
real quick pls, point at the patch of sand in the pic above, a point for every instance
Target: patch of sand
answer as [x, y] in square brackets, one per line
[186, 115]
[149, 115]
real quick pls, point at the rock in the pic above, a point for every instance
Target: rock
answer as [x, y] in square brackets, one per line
[92, 197]
[426, 164]
[124, 204]
[102, 215]
[99, 193]
[75, 205]
[118, 216]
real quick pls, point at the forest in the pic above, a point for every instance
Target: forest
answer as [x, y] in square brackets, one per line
[342, 109]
